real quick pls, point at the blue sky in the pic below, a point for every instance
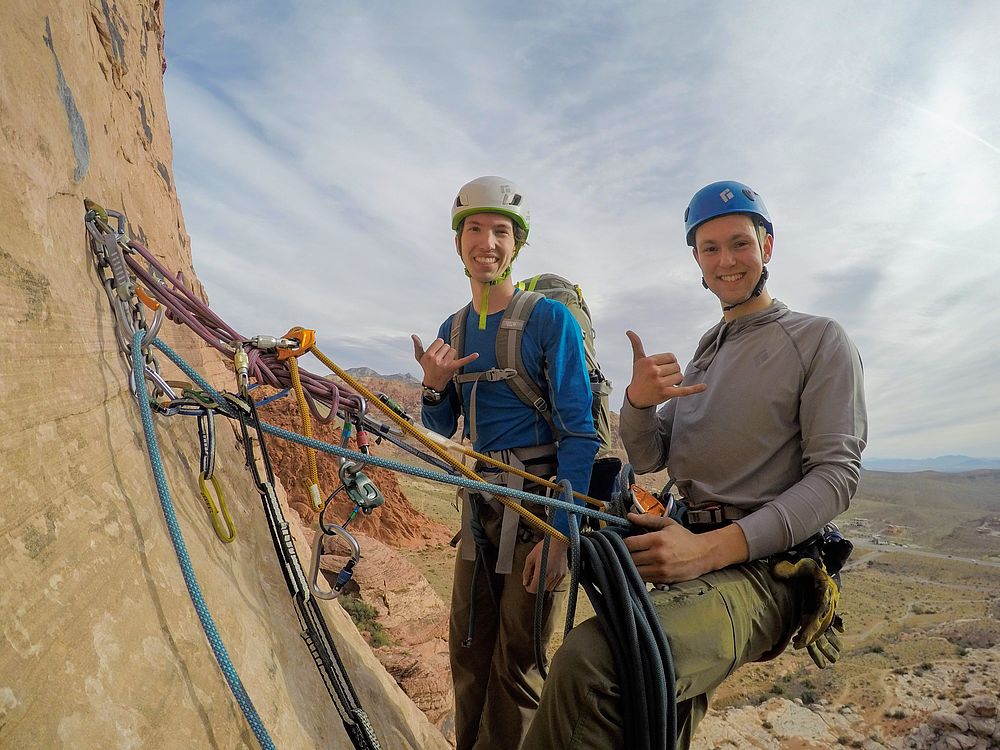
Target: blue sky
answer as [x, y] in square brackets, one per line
[318, 147]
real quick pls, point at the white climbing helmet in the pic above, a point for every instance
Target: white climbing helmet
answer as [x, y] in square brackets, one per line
[490, 194]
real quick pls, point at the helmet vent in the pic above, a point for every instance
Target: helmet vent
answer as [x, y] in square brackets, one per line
[750, 194]
[515, 200]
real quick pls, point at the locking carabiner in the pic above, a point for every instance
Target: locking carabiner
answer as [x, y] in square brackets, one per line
[346, 573]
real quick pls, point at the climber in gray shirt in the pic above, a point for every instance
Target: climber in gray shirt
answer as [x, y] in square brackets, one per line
[763, 433]
[777, 432]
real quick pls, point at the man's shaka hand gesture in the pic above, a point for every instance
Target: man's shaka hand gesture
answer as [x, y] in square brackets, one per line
[655, 378]
[440, 361]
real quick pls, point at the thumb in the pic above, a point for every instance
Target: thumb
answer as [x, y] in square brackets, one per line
[418, 347]
[651, 521]
[637, 351]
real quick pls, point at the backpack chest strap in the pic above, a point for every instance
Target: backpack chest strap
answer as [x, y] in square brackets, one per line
[492, 376]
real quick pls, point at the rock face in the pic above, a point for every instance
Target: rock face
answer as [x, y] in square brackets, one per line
[100, 645]
[413, 616]
[973, 727]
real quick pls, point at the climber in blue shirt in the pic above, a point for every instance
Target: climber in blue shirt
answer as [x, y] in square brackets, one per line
[496, 679]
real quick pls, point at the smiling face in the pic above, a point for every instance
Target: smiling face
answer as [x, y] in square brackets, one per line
[731, 257]
[486, 245]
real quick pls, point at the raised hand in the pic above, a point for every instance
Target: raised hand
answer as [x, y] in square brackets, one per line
[440, 361]
[655, 378]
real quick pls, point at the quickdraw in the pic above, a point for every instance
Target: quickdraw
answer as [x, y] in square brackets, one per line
[206, 439]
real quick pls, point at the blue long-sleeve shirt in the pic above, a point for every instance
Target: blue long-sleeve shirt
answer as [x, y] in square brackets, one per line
[553, 356]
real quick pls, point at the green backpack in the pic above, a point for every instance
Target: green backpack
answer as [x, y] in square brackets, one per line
[510, 366]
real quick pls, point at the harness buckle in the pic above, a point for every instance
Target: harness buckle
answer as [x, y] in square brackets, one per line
[708, 514]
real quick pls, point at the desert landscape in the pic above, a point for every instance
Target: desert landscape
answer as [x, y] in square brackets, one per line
[921, 603]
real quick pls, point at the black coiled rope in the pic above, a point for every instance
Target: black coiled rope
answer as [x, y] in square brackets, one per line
[602, 564]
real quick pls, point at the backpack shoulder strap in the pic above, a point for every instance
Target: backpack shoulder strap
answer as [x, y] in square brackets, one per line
[509, 337]
[457, 339]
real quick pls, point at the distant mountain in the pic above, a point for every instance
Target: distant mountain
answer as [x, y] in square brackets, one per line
[367, 372]
[941, 463]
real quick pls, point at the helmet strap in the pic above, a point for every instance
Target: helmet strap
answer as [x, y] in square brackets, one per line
[484, 303]
[704, 283]
[755, 293]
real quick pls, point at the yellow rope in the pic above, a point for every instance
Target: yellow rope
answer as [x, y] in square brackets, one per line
[440, 452]
[514, 470]
[314, 493]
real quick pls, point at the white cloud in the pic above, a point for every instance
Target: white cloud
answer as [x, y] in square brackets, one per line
[317, 152]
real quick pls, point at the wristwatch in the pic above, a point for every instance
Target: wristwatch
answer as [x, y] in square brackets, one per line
[432, 396]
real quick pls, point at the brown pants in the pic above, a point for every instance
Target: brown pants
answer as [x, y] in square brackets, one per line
[497, 682]
[714, 624]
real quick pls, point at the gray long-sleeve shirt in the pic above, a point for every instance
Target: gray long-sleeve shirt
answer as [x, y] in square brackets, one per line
[779, 430]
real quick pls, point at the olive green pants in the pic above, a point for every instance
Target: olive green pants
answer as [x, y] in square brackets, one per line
[495, 676]
[714, 624]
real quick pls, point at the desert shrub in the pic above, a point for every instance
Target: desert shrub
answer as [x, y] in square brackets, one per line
[366, 620]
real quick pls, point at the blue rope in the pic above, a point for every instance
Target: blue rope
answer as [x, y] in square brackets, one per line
[385, 463]
[218, 648]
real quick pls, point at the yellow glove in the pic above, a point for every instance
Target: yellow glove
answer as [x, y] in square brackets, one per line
[825, 650]
[819, 619]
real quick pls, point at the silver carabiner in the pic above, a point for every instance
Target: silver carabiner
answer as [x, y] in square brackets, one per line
[346, 573]
[154, 329]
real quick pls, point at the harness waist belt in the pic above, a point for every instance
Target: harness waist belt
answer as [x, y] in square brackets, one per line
[538, 460]
[713, 514]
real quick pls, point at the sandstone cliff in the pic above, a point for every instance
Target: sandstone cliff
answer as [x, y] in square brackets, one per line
[100, 646]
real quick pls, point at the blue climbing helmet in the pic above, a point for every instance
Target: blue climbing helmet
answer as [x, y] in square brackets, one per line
[721, 199]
